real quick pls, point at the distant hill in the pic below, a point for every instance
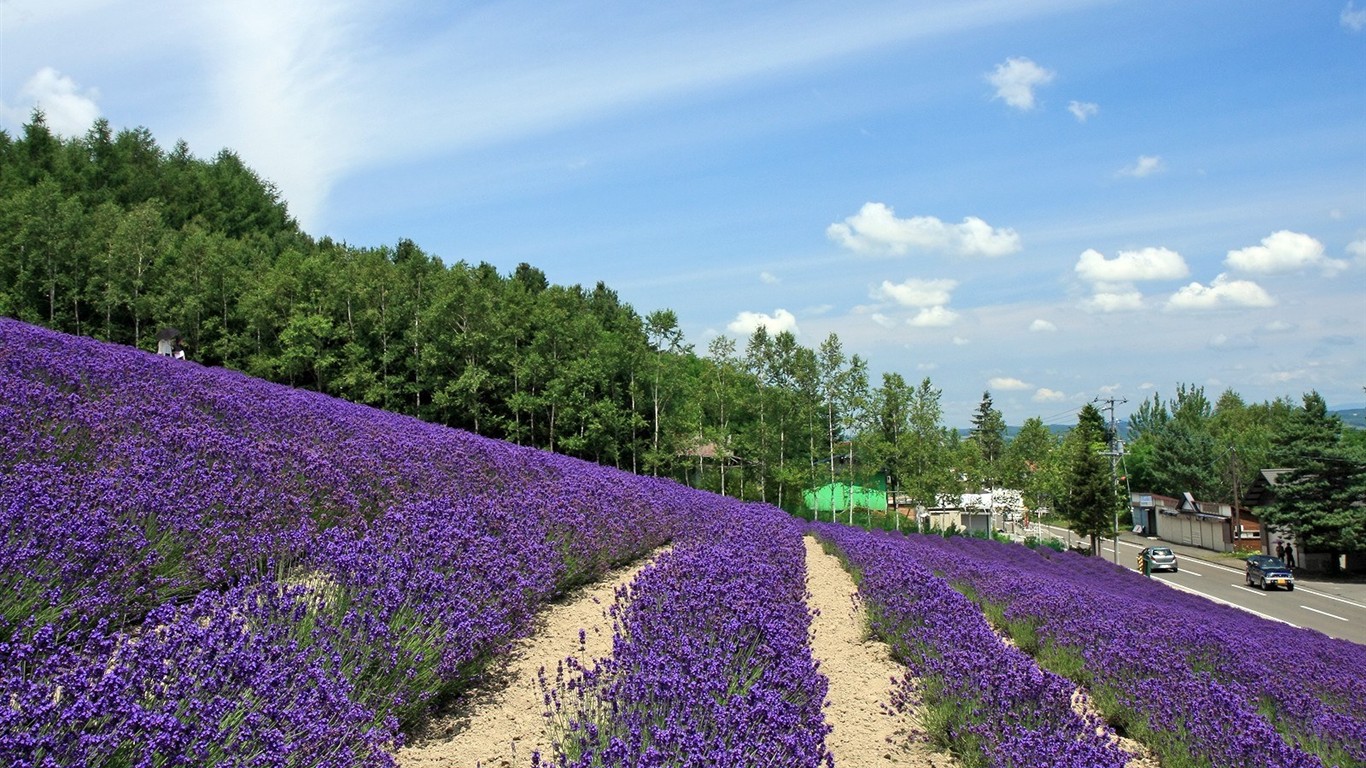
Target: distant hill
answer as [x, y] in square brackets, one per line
[1353, 416]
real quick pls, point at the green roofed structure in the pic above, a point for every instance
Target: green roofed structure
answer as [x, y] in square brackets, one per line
[838, 496]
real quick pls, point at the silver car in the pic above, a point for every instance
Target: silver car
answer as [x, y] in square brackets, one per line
[1159, 559]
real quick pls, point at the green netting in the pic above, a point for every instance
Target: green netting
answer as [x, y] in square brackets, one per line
[840, 495]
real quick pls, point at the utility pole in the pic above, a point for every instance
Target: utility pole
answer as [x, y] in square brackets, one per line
[1237, 518]
[1116, 450]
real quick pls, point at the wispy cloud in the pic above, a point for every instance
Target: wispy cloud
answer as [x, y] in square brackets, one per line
[1046, 395]
[291, 90]
[1083, 110]
[916, 293]
[1353, 18]
[1006, 383]
[934, 317]
[876, 229]
[1042, 326]
[1145, 165]
[1114, 301]
[68, 109]
[1015, 80]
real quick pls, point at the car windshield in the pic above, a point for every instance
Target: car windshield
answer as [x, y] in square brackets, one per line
[1271, 562]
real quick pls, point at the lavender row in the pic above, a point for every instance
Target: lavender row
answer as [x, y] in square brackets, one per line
[988, 701]
[1203, 684]
[711, 662]
[199, 568]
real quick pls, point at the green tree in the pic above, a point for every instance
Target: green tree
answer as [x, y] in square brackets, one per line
[722, 384]
[1026, 457]
[929, 459]
[854, 398]
[758, 360]
[666, 342]
[889, 437]
[1090, 500]
[1321, 502]
[988, 437]
[831, 361]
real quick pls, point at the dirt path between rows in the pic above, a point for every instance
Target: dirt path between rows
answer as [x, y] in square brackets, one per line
[503, 725]
[866, 733]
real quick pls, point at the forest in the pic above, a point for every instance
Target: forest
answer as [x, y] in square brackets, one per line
[109, 235]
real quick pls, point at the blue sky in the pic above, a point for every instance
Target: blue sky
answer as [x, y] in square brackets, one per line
[1051, 200]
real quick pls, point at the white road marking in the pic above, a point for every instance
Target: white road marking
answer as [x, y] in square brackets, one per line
[1174, 585]
[1325, 613]
[1249, 588]
[1317, 593]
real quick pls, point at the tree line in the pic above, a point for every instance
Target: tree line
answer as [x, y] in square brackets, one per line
[110, 236]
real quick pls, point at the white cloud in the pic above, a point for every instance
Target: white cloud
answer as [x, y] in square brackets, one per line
[1358, 249]
[882, 320]
[1223, 292]
[68, 110]
[1284, 251]
[876, 229]
[1016, 79]
[1237, 341]
[1352, 18]
[1083, 110]
[1006, 383]
[768, 278]
[747, 322]
[916, 293]
[934, 317]
[1145, 264]
[1041, 325]
[1046, 395]
[1114, 301]
[1145, 165]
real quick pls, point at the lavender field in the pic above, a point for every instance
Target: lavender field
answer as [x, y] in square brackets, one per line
[198, 568]
[1198, 683]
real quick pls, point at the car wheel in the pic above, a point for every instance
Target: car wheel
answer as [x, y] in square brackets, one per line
[1175, 569]
[1263, 584]
[1289, 587]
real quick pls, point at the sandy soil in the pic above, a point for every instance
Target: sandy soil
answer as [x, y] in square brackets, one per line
[504, 722]
[860, 670]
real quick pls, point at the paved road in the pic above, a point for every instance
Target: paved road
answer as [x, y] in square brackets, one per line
[1337, 609]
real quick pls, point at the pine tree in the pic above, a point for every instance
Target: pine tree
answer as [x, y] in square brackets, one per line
[1089, 500]
[1322, 501]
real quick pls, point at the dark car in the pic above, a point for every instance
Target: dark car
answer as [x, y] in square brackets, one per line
[1159, 559]
[1266, 571]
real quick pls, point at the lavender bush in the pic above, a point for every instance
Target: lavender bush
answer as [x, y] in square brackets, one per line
[199, 568]
[987, 701]
[711, 663]
[1190, 678]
